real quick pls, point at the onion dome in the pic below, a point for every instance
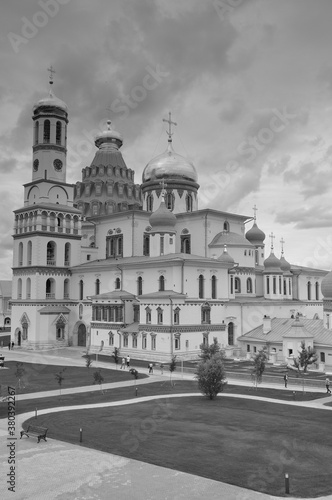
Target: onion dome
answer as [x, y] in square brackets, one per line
[169, 165]
[109, 137]
[326, 286]
[50, 101]
[230, 239]
[255, 235]
[162, 220]
[225, 257]
[284, 264]
[272, 264]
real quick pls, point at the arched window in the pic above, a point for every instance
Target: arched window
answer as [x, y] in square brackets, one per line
[206, 313]
[148, 318]
[117, 284]
[317, 290]
[214, 287]
[36, 132]
[50, 288]
[185, 243]
[176, 316]
[81, 289]
[97, 287]
[51, 253]
[149, 203]
[285, 287]
[189, 203]
[274, 284]
[169, 201]
[28, 288]
[267, 284]
[237, 285]
[58, 133]
[226, 226]
[146, 244]
[249, 285]
[29, 254]
[231, 333]
[66, 289]
[309, 290]
[47, 131]
[160, 313]
[67, 254]
[161, 283]
[19, 288]
[20, 254]
[201, 286]
[139, 285]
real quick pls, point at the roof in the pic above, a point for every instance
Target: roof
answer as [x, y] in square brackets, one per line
[54, 310]
[115, 295]
[6, 288]
[132, 328]
[230, 239]
[165, 294]
[281, 327]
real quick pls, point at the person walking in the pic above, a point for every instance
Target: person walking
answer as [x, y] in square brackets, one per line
[123, 364]
[150, 368]
[128, 361]
[162, 368]
[327, 385]
[286, 379]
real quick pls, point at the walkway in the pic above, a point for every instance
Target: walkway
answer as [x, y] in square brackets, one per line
[61, 471]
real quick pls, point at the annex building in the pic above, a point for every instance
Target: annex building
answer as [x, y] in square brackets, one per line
[110, 262]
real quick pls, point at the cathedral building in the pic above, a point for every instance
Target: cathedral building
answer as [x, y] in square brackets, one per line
[108, 262]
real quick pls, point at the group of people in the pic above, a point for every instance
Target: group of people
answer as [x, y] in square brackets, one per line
[124, 362]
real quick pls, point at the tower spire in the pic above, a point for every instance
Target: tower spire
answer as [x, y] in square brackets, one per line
[170, 123]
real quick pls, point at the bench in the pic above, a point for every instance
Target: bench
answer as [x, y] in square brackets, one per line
[34, 430]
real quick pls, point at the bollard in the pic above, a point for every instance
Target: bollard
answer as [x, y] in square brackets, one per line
[286, 483]
[136, 391]
[36, 413]
[81, 435]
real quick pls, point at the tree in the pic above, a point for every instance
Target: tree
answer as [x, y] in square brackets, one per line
[134, 373]
[20, 372]
[208, 351]
[116, 355]
[306, 357]
[88, 359]
[60, 378]
[172, 367]
[211, 375]
[98, 379]
[259, 362]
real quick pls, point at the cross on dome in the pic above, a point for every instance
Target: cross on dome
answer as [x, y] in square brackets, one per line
[282, 241]
[170, 123]
[163, 190]
[51, 70]
[255, 210]
[272, 238]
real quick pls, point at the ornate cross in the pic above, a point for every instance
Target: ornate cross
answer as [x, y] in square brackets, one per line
[51, 70]
[282, 241]
[170, 123]
[255, 210]
[163, 185]
[272, 238]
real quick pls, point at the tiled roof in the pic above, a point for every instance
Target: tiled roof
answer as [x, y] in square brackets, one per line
[280, 327]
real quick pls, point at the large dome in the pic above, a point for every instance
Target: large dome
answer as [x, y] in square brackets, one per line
[255, 235]
[109, 136]
[272, 264]
[51, 100]
[169, 165]
[326, 286]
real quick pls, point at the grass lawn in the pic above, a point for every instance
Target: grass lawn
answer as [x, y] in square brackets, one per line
[39, 377]
[247, 443]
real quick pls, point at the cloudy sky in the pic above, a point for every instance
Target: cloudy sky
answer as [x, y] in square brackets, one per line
[249, 83]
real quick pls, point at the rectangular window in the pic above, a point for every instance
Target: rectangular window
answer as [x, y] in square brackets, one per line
[322, 357]
[134, 342]
[153, 343]
[248, 347]
[111, 340]
[114, 246]
[125, 341]
[177, 343]
[161, 245]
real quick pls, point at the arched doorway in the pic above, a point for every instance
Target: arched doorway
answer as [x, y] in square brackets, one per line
[231, 333]
[81, 339]
[18, 337]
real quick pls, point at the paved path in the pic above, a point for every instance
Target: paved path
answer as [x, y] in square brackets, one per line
[61, 471]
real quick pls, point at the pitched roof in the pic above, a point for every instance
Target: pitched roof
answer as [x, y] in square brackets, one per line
[280, 328]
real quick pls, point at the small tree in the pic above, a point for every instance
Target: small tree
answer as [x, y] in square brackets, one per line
[60, 378]
[134, 373]
[306, 357]
[98, 379]
[19, 374]
[211, 376]
[172, 367]
[207, 351]
[116, 355]
[259, 362]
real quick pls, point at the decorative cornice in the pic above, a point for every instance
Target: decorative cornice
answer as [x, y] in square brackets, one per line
[47, 147]
[48, 270]
[107, 326]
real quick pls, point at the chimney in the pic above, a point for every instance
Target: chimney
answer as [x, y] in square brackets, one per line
[266, 324]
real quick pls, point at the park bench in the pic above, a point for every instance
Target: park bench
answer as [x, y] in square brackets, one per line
[34, 430]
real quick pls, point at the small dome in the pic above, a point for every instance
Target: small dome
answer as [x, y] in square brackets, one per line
[255, 235]
[225, 257]
[284, 264]
[272, 263]
[326, 286]
[51, 100]
[169, 165]
[109, 136]
[162, 220]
